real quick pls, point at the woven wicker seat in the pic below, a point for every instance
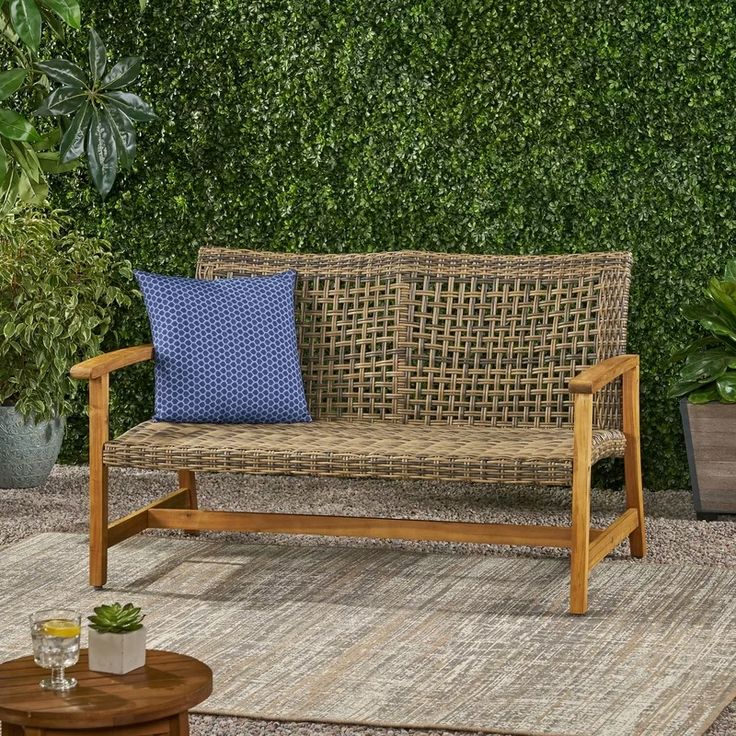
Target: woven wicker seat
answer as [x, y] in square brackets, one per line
[487, 369]
[378, 449]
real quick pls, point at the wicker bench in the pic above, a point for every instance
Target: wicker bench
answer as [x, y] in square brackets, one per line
[490, 369]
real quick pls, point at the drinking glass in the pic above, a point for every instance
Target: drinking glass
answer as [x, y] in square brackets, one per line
[55, 634]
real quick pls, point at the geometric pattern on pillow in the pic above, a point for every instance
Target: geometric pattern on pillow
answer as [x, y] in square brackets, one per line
[225, 351]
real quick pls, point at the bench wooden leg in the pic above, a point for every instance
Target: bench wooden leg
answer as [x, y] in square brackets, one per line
[187, 482]
[580, 533]
[632, 460]
[99, 389]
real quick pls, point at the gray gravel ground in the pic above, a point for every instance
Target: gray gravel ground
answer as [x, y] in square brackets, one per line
[674, 534]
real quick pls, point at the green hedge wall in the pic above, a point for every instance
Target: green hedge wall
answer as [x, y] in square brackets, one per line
[518, 126]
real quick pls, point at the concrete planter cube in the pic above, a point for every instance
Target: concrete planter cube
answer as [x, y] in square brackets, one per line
[710, 437]
[117, 653]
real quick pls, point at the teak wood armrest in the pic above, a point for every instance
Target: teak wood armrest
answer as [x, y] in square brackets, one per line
[97, 371]
[585, 549]
[98, 366]
[592, 379]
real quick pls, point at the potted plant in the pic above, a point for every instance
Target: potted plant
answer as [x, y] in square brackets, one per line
[117, 639]
[57, 293]
[707, 387]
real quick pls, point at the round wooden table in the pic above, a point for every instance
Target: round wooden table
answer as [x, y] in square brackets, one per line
[149, 701]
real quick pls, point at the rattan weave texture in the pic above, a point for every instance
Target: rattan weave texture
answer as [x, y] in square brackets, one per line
[483, 454]
[445, 338]
[423, 365]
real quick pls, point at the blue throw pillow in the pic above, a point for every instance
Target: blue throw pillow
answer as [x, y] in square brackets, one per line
[225, 351]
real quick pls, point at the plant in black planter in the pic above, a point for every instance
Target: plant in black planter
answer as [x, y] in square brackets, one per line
[57, 292]
[707, 388]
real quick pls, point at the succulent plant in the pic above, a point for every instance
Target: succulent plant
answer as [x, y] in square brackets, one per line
[116, 619]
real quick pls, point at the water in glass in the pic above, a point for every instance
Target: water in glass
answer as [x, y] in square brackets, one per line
[55, 636]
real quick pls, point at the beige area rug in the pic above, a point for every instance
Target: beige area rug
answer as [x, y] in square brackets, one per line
[402, 639]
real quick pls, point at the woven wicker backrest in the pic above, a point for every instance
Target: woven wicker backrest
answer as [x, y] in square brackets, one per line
[434, 337]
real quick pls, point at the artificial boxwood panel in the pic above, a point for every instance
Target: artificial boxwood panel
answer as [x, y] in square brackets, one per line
[459, 125]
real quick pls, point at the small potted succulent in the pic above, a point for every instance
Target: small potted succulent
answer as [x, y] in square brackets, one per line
[706, 387]
[117, 639]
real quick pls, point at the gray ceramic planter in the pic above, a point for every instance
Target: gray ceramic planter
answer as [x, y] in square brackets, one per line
[28, 451]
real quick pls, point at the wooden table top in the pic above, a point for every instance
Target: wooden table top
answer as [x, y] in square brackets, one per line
[169, 683]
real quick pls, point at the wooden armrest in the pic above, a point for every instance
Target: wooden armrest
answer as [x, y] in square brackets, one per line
[109, 362]
[595, 377]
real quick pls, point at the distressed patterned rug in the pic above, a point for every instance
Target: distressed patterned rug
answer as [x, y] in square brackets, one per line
[401, 639]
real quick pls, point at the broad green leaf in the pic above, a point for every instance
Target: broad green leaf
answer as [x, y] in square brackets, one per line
[680, 388]
[132, 105]
[704, 395]
[26, 20]
[726, 385]
[27, 159]
[3, 164]
[64, 72]
[123, 73]
[718, 326]
[9, 190]
[730, 271]
[97, 56]
[67, 10]
[125, 138]
[723, 293]
[102, 156]
[30, 191]
[11, 81]
[72, 143]
[696, 346]
[16, 127]
[62, 101]
[705, 367]
[50, 163]
[55, 23]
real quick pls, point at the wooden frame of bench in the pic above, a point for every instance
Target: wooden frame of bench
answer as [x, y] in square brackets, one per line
[179, 510]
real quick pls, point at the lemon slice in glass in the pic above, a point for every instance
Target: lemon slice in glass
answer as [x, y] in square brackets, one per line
[60, 627]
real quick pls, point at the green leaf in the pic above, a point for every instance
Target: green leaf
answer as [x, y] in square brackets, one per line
[143, 4]
[97, 56]
[62, 101]
[3, 164]
[681, 388]
[730, 270]
[704, 395]
[102, 156]
[64, 72]
[696, 346]
[27, 158]
[51, 164]
[73, 141]
[705, 367]
[123, 73]
[16, 127]
[132, 105]
[58, 28]
[67, 10]
[26, 20]
[726, 385]
[10, 82]
[125, 138]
